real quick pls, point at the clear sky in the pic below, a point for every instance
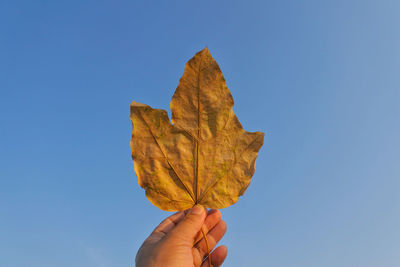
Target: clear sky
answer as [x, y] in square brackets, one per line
[320, 78]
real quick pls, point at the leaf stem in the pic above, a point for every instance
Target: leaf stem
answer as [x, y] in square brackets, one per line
[208, 247]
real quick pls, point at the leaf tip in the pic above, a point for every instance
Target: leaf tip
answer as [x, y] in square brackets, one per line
[137, 104]
[205, 50]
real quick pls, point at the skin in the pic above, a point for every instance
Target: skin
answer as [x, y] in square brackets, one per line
[178, 241]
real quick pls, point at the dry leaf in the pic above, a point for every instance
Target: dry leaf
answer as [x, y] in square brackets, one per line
[205, 157]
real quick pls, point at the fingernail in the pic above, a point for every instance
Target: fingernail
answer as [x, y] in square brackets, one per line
[196, 210]
[211, 211]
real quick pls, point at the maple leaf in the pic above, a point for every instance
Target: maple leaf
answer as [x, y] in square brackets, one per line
[205, 156]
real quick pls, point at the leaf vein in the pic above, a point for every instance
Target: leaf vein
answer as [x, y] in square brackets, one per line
[165, 156]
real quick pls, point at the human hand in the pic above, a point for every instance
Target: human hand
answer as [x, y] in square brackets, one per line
[178, 241]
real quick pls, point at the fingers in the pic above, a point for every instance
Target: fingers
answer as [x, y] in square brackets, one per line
[213, 237]
[217, 257]
[187, 229]
[213, 217]
[164, 228]
[169, 223]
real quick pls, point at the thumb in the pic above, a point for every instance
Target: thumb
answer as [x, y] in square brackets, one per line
[188, 228]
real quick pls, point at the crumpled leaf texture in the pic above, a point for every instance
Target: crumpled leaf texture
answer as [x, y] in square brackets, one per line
[205, 156]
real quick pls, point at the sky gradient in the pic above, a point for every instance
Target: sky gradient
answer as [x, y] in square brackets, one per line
[320, 78]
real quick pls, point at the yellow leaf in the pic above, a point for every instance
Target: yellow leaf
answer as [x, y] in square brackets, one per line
[205, 156]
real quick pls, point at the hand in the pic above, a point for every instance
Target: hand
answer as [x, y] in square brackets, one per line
[178, 241]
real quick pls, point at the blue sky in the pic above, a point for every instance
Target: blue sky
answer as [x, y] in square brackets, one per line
[320, 78]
